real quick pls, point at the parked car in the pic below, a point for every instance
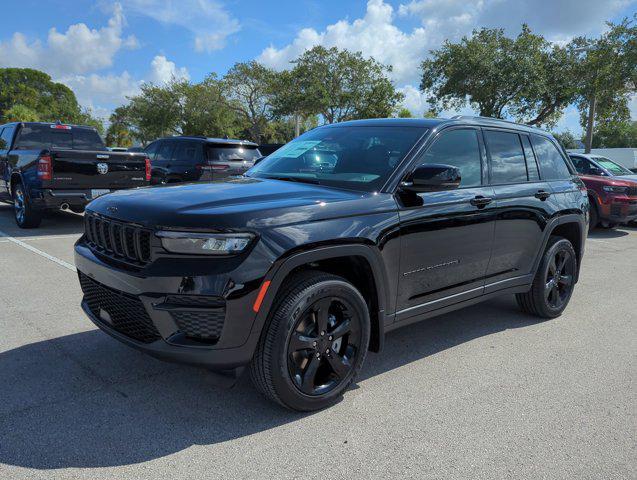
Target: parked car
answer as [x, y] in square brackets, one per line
[199, 159]
[48, 166]
[301, 266]
[612, 189]
[268, 148]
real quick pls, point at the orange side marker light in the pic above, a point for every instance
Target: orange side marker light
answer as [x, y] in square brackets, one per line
[262, 291]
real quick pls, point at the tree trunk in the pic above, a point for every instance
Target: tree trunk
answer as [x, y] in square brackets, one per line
[589, 123]
[297, 125]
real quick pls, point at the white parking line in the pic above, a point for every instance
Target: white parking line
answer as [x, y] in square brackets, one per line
[37, 251]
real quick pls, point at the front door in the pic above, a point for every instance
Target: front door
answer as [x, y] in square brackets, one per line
[446, 237]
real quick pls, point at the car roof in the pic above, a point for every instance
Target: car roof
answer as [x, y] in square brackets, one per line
[432, 123]
[212, 140]
[48, 124]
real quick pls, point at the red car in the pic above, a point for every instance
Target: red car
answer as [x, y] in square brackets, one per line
[612, 189]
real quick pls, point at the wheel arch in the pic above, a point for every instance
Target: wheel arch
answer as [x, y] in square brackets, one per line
[573, 228]
[358, 264]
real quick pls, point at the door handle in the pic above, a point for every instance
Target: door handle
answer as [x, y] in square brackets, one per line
[542, 194]
[480, 201]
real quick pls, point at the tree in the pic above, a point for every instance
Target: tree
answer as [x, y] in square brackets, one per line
[525, 77]
[119, 133]
[567, 139]
[21, 113]
[606, 73]
[249, 93]
[338, 85]
[404, 113]
[38, 94]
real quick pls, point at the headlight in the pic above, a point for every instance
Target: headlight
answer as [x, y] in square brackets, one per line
[611, 189]
[194, 243]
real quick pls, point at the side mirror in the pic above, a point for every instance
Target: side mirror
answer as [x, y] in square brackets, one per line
[432, 178]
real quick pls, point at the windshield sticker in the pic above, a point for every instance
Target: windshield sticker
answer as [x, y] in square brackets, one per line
[296, 149]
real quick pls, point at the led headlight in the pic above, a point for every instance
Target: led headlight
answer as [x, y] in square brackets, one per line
[611, 189]
[194, 243]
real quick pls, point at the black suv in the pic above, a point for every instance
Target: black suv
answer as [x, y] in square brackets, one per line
[302, 265]
[199, 159]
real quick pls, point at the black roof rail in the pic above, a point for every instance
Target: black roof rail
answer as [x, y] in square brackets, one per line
[492, 119]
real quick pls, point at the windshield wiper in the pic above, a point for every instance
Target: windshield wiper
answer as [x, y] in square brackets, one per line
[290, 178]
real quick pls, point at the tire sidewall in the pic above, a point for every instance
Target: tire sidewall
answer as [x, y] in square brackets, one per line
[561, 244]
[287, 318]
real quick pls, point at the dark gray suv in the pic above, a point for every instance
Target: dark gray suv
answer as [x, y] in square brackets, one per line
[199, 159]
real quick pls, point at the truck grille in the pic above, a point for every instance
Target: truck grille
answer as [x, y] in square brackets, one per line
[127, 313]
[118, 240]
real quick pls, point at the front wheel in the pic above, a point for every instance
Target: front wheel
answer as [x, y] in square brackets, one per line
[554, 281]
[25, 215]
[315, 343]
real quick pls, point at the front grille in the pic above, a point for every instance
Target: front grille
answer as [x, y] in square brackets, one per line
[615, 210]
[118, 240]
[126, 312]
[632, 191]
[200, 325]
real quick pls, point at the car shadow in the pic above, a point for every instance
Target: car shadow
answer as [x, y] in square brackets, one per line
[53, 223]
[85, 400]
[600, 233]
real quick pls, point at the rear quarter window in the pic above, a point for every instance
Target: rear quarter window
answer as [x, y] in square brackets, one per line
[552, 163]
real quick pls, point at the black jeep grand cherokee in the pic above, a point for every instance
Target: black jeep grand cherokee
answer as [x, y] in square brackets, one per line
[301, 266]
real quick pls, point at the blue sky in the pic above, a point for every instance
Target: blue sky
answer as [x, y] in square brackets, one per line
[104, 50]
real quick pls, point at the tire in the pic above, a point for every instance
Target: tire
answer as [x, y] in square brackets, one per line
[25, 215]
[295, 364]
[594, 215]
[541, 300]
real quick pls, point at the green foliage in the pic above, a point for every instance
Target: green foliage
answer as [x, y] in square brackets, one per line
[35, 91]
[567, 139]
[607, 71]
[525, 77]
[615, 134]
[20, 113]
[404, 113]
[338, 85]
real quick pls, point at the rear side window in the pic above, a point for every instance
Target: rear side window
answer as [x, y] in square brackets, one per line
[39, 137]
[531, 163]
[459, 148]
[187, 152]
[552, 164]
[508, 164]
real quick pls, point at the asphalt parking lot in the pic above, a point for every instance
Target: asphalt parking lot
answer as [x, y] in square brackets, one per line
[485, 392]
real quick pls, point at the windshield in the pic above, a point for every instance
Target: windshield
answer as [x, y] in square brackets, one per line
[352, 157]
[40, 137]
[232, 153]
[612, 167]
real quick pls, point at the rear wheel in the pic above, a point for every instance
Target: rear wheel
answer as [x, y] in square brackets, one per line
[315, 343]
[554, 281]
[25, 215]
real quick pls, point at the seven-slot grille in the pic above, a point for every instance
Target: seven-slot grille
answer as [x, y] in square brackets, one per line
[125, 312]
[119, 240]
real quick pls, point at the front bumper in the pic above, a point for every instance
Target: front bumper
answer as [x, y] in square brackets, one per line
[619, 209]
[157, 331]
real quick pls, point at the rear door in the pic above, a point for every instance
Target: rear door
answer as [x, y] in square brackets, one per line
[161, 166]
[6, 136]
[187, 159]
[524, 207]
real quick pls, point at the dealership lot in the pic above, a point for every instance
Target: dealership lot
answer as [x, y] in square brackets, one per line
[485, 392]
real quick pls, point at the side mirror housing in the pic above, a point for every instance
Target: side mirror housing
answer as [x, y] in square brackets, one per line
[432, 177]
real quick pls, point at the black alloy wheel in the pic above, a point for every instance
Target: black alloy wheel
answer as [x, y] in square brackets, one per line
[323, 347]
[554, 281]
[314, 342]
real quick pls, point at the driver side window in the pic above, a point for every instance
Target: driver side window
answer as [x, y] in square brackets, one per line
[459, 148]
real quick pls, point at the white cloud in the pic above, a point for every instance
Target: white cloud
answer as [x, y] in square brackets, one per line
[375, 35]
[78, 50]
[163, 71]
[208, 20]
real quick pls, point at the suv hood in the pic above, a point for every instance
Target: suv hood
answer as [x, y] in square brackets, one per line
[232, 203]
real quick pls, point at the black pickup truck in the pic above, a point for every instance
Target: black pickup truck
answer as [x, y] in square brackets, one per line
[50, 166]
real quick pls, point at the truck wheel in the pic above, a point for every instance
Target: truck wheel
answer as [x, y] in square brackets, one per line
[314, 344]
[25, 215]
[554, 281]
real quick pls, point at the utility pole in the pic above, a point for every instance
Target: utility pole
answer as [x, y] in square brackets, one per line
[590, 122]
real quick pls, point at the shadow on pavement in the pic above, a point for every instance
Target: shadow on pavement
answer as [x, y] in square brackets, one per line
[602, 233]
[53, 223]
[84, 400]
